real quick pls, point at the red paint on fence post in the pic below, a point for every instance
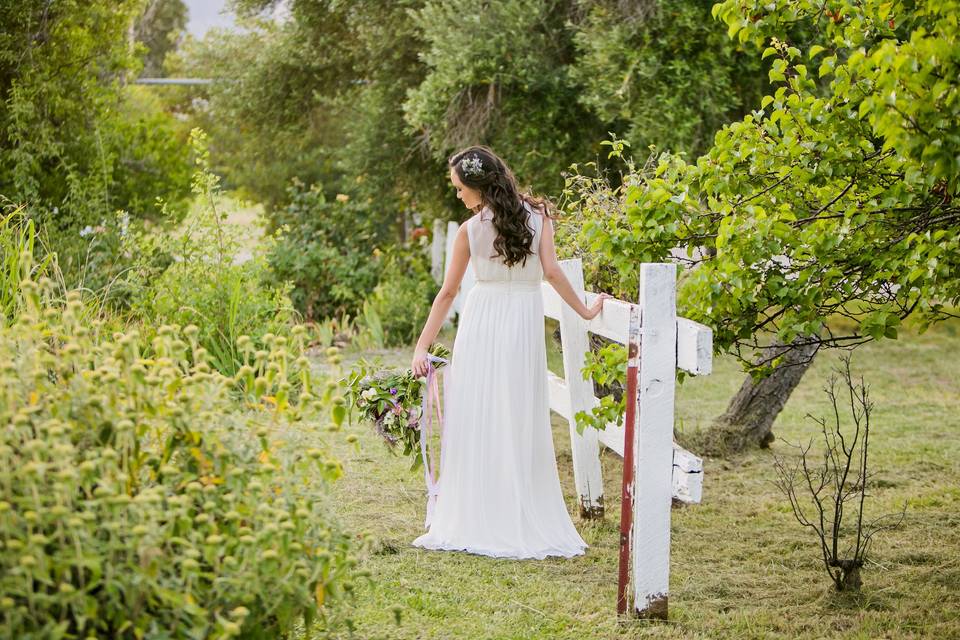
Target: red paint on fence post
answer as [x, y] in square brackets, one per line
[626, 503]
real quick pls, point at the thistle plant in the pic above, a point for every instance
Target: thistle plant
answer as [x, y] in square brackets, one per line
[137, 487]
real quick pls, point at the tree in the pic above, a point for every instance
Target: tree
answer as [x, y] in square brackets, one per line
[379, 95]
[662, 73]
[160, 28]
[834, 199]
[318, 98]
[368, 99]
[75, 145]
[500, 75]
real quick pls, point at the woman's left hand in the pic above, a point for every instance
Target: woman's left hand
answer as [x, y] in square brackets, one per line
[597, 306]
[419, 364]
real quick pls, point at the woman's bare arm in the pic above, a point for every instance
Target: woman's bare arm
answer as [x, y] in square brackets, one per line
[553, 274]
[444, 298]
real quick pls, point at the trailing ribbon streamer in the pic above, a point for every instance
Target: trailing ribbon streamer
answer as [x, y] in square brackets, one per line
[426, 431]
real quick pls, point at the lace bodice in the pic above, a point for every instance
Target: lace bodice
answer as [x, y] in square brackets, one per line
[487, 264]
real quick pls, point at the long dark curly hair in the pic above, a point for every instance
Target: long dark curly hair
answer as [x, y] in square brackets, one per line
[498, 190]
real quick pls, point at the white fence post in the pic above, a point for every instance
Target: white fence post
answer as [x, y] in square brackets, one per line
[654, 439]
[585, 447]
[438, 251]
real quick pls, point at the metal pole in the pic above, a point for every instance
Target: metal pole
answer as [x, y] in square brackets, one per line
[173, 81]
[626, 503]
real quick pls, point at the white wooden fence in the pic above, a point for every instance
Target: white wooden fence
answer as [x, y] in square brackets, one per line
[663, 469]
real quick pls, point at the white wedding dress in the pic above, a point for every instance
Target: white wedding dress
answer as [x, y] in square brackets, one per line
[499, 490]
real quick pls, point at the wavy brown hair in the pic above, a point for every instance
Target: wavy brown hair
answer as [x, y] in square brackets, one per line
[498, 190]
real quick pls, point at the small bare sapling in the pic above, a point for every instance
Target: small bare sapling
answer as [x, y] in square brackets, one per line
[829, 497]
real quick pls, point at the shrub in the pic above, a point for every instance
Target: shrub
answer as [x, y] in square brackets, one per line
[823, 487]
[328, 250]
[191, 276]
[398, 307]
[139, 499]
[18, 239]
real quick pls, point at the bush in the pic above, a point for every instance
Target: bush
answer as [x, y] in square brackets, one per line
[139, 499]
[397, 309]
[328, 250]
[191, 276]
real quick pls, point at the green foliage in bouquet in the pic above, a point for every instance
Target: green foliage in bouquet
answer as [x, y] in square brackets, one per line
[139, 499]
[392, 400]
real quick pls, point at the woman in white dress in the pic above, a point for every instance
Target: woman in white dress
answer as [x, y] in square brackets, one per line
[499, 490]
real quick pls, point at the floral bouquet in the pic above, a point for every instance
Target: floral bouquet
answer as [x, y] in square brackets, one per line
[393, 401]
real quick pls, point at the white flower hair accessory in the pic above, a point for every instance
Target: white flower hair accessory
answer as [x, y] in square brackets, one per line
[471, 166]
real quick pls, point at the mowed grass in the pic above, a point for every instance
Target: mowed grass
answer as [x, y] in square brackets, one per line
[741, 566]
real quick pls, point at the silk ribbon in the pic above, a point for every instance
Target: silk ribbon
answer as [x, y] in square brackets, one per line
[431, 395]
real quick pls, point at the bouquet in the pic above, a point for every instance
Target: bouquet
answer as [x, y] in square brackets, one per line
[393, 401]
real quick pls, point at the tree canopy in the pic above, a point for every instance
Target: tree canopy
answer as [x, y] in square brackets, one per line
[834, 197]
[75, 145]
[371, 98]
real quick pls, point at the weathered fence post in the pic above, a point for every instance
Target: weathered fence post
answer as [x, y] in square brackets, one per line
[585, 447]
[438, 251]
[654, 439]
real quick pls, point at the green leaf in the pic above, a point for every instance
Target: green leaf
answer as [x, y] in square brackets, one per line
[733, 27]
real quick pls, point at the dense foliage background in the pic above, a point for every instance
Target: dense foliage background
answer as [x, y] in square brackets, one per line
[368, 100]
[164, 409]
[76, 143]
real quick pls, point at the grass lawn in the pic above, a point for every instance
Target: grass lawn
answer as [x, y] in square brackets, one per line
[741, 566]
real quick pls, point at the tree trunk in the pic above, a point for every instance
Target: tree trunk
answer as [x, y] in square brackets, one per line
[848, 576]
[597, 342]
[750, 415]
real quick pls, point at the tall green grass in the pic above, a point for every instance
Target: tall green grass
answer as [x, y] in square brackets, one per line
[18, 242]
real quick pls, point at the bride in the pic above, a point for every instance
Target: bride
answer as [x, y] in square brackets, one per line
[499, 489]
